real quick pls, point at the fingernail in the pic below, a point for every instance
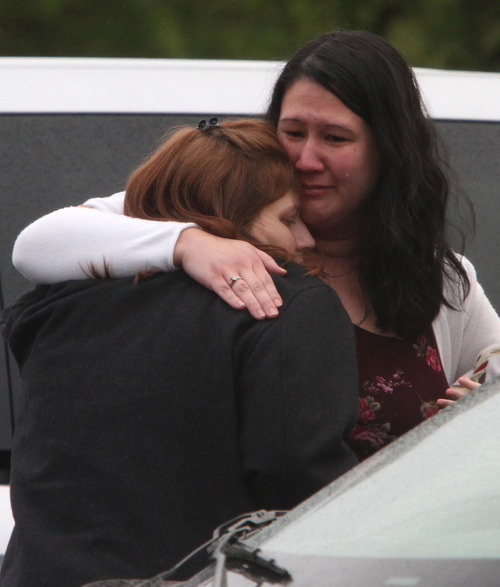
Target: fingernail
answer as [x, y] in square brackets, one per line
[260, 314]
[278, 303]
[272, 312]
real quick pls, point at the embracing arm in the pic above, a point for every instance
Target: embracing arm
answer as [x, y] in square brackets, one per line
[299, 399]
[68, 242]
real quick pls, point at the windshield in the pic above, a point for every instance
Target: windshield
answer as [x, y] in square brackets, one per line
[435, 494]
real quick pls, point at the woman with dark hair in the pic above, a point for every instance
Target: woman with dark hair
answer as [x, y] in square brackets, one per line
[401, 251]
[152, 412]
[374, 192]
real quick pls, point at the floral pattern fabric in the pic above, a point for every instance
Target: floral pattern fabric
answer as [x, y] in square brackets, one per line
[399, 383]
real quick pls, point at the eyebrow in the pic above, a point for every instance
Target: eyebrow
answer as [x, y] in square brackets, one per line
[327, 124]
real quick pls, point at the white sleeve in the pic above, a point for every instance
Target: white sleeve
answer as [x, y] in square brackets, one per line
[463, 333]
[113, 204]
[482, 332]
[68, 242]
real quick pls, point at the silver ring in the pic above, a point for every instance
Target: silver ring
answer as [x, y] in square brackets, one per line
[233, 280]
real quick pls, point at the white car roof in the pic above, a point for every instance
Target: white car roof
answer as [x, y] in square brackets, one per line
[192, 86]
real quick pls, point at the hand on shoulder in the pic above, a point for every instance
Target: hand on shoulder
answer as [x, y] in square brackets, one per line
[215, 262]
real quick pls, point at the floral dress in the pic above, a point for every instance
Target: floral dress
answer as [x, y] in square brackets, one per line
[399, 383]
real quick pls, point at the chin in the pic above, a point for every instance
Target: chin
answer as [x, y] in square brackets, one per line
[314, 217]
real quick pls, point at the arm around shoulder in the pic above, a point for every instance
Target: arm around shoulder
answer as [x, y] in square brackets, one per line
[68, 242]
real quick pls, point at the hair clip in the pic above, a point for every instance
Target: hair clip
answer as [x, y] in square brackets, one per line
[205, 125]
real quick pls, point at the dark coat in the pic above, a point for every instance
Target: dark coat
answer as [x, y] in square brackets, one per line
[152, 413]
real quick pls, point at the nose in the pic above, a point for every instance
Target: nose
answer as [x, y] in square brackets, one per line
[309, 158]
[302, 237]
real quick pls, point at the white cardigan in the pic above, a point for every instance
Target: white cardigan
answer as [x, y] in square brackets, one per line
[462, 334]
[63, 244]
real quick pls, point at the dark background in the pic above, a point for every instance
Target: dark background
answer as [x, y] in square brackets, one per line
[451, 34]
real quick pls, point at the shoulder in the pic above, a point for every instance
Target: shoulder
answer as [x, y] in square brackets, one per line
[310, 297]
[46, 296]
[464, 308]
[453, 287]
[468, 266]
[297, 280]
[113, 204]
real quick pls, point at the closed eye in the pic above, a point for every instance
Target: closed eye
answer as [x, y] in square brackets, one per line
[293, 133]
[335, 139]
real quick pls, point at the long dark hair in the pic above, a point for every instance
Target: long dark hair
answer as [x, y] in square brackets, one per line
[404, 250]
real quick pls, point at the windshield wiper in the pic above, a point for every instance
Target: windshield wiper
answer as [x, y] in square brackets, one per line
[230, 553]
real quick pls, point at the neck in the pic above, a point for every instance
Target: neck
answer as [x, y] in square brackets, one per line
[337, 236]
[338, 248]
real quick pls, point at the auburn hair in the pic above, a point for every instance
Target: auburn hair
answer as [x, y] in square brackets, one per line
[220, 178]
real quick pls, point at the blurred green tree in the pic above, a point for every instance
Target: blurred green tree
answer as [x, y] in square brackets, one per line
[456, 34]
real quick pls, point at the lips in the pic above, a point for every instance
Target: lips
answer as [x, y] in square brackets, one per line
[309, 189]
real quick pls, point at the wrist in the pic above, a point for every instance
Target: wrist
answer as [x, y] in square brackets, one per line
[184, 243]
